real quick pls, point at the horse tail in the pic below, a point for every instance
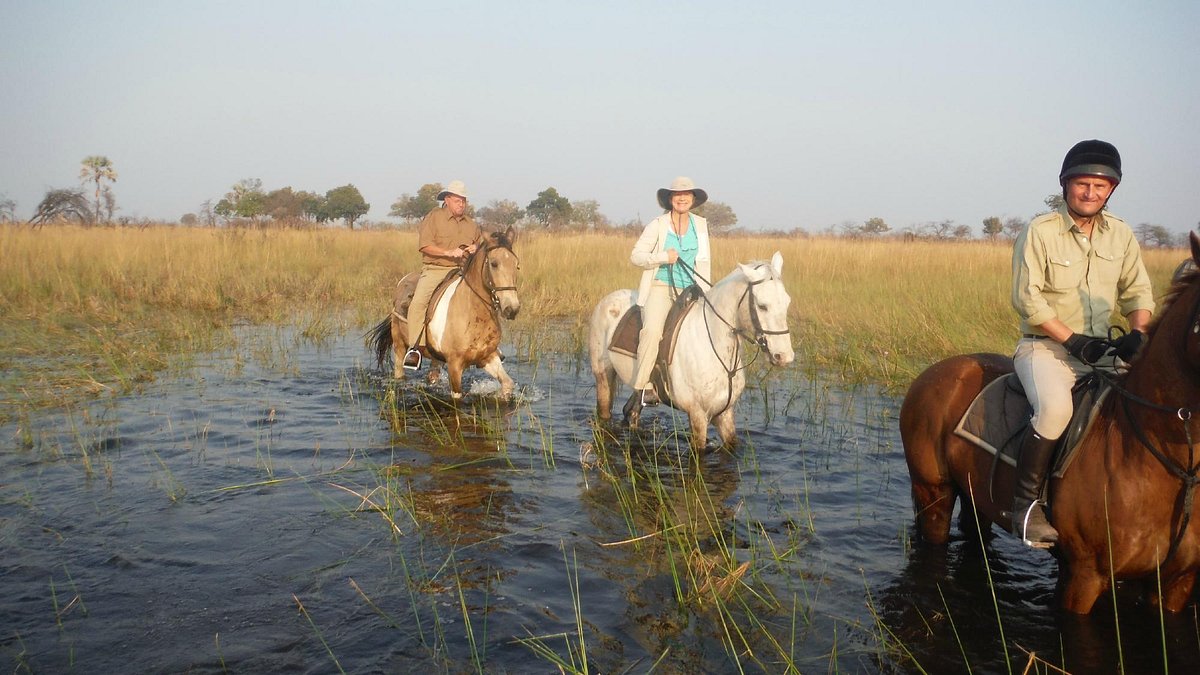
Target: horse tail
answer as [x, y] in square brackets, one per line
[379, 339]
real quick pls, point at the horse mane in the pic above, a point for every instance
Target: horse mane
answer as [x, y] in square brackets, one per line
[1178, 287]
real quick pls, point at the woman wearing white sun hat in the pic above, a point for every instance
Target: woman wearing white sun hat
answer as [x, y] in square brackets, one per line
[671, 246]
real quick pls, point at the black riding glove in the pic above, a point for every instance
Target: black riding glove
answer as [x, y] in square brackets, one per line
[1128, 345]
[1086, 349]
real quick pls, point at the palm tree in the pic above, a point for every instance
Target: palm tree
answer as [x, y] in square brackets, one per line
[97, 168]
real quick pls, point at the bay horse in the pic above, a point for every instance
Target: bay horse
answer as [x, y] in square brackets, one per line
[464, 329]
[707, 374]
[1123, 508]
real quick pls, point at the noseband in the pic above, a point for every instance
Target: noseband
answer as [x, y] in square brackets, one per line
[760, 333]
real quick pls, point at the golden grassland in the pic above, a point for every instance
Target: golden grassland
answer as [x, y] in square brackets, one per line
[87, 311]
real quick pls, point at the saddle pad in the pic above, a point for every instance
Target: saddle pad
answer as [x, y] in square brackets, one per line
[629, 327]
[625, 337]
[998, 416]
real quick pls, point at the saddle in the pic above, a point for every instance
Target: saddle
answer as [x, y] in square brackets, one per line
[408, 284]
[629, 328]
[997, 418]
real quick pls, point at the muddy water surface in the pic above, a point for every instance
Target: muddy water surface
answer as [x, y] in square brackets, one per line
[283, 507]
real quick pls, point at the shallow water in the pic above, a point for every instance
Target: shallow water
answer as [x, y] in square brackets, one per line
[283, 507]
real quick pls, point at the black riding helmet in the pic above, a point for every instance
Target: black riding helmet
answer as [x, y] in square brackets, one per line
[1091, 158]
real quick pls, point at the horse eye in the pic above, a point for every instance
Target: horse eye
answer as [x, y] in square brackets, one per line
[762, 307]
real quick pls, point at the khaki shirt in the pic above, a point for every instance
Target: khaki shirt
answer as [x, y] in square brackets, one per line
[1059, 273]
[446, 232]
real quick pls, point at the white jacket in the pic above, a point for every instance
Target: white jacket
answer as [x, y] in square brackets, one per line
[649, 253]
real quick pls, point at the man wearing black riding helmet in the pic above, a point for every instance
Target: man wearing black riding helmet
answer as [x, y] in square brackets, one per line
[1071, 269]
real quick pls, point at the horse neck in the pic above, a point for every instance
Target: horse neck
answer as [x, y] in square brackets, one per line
[1162, 375]
[726, 300]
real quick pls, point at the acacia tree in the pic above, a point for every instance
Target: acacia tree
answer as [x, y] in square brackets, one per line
[992, 227]
[8, 209]
[550, 208]
[875, 226]
[97, 169]
[1014, 225]
[245, 200]
[414, 207]
[718, 214]
[344, 202]
[62, 204]
[501, 213]
[586, 213]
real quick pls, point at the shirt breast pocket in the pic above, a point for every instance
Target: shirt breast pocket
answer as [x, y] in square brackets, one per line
[1106, 268]
[1065, 274]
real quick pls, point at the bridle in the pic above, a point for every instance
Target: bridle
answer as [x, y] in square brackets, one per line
[759, 336]
[489, 285]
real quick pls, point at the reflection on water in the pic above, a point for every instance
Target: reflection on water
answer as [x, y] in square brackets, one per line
[282, 508]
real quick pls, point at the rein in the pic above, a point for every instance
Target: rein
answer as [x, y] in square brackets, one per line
[759, 336]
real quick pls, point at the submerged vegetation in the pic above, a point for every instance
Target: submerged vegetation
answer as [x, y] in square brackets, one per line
[91, 310]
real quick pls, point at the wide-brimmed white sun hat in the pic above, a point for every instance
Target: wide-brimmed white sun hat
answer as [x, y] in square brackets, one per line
[455, 187]
[681, 184]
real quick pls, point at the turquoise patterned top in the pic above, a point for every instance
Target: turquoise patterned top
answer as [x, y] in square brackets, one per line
[687, 246]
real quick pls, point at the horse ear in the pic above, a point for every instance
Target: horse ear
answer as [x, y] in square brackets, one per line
[1195, 247]
[777, 263]
[752, 272]
[511, 233]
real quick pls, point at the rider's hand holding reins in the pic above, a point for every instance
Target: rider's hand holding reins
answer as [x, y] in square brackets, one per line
[1086, 349]
[1128, 345]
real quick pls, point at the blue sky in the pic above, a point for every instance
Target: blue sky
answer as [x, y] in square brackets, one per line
[795, 114]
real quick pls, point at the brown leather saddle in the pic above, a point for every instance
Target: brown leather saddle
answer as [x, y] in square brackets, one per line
[628, 331]
[997, 418]
[408, 285]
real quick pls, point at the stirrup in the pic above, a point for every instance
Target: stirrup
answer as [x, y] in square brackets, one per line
[412, 359]
[1023, 535]
[650, 396]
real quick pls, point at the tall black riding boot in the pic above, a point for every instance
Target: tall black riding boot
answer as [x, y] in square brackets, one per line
[1028, 514]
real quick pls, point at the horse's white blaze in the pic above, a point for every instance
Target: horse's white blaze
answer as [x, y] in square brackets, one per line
[441, 314]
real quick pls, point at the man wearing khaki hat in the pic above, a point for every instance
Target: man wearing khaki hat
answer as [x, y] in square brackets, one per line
[446, 236]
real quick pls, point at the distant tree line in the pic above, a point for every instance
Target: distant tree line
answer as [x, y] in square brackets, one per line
[548, 211]
[248, 204]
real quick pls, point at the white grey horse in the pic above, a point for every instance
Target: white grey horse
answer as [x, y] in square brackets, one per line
[707, 375]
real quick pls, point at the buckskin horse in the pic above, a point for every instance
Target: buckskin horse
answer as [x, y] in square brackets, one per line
[706, 376]
[1124, 506]
[464, 328]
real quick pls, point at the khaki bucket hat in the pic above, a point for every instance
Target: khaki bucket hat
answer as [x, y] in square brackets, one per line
[455, 187]
[681, 184]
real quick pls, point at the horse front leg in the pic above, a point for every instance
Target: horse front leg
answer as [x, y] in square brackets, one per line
[1081, 584]
[495, 368]
[698, 422]
[1177, 592]
[725, 427]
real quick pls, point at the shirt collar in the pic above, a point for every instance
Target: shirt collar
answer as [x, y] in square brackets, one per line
[1068, 223]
